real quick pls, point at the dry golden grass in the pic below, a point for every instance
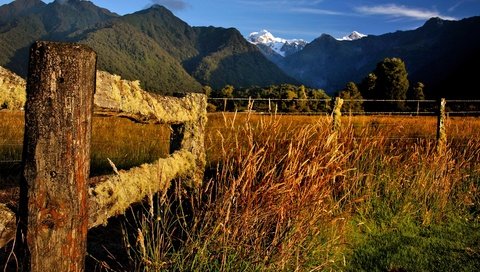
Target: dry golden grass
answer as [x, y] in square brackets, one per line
[286, 193]
[11, 134]
[286, 187]
[126, 143]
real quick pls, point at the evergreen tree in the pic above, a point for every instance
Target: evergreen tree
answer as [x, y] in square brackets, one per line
[367, 86]
[207, 90]
[351, 92]
[227, 91]
[392, 82]
[318, 106]
[289, 105]
[417, 92]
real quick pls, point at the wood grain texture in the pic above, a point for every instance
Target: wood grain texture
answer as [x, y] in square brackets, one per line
[58, 123]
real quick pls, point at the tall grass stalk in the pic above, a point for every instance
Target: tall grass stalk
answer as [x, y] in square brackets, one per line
[278, 198]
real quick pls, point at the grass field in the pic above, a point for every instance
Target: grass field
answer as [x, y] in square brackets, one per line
[284, 193]
[124, 142]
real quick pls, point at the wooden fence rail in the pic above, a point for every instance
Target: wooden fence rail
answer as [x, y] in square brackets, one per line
[59, 202]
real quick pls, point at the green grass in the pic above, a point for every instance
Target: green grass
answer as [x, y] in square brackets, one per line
[449, 246]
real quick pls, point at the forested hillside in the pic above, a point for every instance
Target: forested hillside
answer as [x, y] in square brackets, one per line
[163, 52]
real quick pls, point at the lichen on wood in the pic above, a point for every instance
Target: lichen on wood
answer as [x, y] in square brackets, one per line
[441, 126]
[111, 195]
[127, 97]
[115, 94]
[56, 157]
[114, 194]
[7, 225]
[337, 114]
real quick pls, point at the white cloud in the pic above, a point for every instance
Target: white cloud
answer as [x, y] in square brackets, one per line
[401, 11]
[296, 6]
[280, 3]
[317, 11]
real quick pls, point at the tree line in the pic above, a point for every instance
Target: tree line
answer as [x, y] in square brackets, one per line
[388, 81]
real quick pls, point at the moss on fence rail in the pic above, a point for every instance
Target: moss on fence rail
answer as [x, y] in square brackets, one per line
[111, 195]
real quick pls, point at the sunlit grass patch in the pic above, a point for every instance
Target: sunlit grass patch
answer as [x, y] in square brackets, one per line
[124, 142]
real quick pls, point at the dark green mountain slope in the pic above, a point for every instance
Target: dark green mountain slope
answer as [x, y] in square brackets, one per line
[153, 46]
[122, 50]
[66, 16]
[15, 43]
[172, 34]
[214, 56]
[54, 21]
[227, 58]
[437, 54]
[18, 8]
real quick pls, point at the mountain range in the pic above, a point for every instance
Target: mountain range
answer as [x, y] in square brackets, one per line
[168, 56]
[353, 36]
[280, 46]
[441, 54]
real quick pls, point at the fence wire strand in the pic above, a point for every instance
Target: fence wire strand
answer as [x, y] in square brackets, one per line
[417, 107]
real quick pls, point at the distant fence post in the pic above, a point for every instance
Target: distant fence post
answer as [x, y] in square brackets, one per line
[441, 129]
[337, 113]
[60, 89]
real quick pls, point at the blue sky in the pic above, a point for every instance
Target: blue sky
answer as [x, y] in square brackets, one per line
[306, 19]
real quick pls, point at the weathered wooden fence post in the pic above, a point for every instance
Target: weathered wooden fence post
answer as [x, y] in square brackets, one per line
[190, 136]
[58, 115]
[441, 128]
[337, 114]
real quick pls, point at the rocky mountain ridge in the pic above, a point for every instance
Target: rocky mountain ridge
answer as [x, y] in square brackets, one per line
[280, 46]
[353, 36]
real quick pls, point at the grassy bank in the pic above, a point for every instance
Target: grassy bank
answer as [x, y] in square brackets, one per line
[285, 193]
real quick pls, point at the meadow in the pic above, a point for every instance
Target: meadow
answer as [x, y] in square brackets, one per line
[286, 193]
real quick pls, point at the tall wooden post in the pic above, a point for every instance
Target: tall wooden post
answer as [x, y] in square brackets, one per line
[58, 115]
[441, 128]
[337, 114]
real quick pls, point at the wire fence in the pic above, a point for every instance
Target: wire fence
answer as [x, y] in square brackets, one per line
[12, 150]
[351, 106]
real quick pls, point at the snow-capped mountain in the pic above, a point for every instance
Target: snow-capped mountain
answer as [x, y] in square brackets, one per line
[281, 46]
[353, 36]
